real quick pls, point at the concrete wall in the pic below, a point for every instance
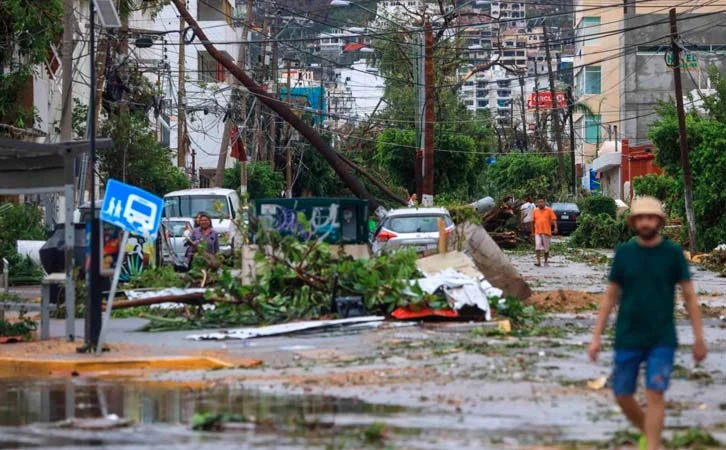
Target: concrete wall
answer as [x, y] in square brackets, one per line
[645, 77]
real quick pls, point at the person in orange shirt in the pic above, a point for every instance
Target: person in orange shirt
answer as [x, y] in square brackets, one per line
[543, 221]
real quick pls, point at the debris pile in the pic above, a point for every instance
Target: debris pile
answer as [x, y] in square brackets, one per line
[565, 301]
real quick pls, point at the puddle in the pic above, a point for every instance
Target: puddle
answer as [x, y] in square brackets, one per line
[31, 411]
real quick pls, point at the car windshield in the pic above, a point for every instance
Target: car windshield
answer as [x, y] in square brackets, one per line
[190, 205]
[565, 207]
[175, 228]
[417, 224]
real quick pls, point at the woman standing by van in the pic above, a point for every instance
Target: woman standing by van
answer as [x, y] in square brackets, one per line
[202, 233]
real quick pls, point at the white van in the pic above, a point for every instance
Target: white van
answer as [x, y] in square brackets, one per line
[222, 205]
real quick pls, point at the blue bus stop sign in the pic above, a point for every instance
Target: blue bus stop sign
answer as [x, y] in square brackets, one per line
[132, 209]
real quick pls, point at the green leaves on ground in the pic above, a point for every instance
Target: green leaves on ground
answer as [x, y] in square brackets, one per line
[23, 326]
[294, 280]
[601, 231]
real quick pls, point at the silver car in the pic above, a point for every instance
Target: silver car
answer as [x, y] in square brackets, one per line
[173, 244]
[416, 228]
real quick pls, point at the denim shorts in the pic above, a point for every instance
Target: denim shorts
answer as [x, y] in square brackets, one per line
[658, 367]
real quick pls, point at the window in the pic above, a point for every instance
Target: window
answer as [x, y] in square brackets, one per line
[588, 31]
[593, 129]
[189, 205]
[592, 80]
[210, 70]
[589, 81]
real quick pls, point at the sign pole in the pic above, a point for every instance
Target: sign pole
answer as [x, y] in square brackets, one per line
[112, 293]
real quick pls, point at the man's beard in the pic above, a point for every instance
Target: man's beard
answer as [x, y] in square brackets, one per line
[647, 234]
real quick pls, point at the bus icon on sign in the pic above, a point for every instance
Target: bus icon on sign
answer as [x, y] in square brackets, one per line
[141, 212]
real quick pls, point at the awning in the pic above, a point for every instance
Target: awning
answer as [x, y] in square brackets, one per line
[606, 162]
[32, 168]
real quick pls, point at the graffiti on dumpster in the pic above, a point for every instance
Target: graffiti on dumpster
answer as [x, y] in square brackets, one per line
[323, 221]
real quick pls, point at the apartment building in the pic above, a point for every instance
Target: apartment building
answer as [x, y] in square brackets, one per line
[207, 84]
[645, 78]
[596, 68]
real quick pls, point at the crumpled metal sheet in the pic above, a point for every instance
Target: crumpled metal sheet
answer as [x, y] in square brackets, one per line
[287, 328]
[166, 292]
[460, 290]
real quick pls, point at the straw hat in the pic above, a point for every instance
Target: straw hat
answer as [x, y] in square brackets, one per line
[646, 206]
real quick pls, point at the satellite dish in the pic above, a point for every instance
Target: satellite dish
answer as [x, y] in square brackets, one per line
[107, 13]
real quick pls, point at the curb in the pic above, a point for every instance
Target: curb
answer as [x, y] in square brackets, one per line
[27, 367]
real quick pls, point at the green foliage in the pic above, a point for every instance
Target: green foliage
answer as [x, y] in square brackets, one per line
[522, 316]
[693, 438]
[316, 178]
[19, 222]
[707, 143]
[663, 187]
[136, 157]
[525, 174]
[453, 170]
[27, 30]
[23, 326]
[601, 231]
[262, 181]
[599, 204]
[162, 276]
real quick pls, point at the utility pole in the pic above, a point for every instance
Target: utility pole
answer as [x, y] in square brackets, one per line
[67, 63]
[260, 128]
[288, 151]
[420, 113]
[524, 112]
[556, 130]
[274, 76]
[231, 118]
[571, 111]
[427, 170]
[536, 102]
[320, 100]
[685, 162]
[181, 156]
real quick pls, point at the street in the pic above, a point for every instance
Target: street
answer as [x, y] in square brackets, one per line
[420, 386]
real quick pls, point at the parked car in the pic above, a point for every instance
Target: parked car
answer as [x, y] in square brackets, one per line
[173, 248]
[567, 214]
[411, 228]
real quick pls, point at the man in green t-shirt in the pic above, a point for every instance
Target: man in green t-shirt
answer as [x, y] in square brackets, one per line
[643, 281]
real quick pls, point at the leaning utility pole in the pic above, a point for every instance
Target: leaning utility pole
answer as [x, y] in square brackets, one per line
[316, 141]
[427, 169]
[685, 162]
[181, 156]
[556, 130]
[231, 118]
[274, 76]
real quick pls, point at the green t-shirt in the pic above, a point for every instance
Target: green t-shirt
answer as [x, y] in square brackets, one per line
[647, 277]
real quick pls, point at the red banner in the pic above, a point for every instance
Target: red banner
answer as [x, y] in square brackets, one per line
[544, 100]
[237, 144]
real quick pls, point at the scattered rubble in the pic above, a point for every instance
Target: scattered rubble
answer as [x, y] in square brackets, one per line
[565, 301]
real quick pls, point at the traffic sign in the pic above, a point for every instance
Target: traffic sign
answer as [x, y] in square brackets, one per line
[132, 209]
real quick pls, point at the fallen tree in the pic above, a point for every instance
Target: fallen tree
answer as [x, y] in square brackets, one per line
[282, 110]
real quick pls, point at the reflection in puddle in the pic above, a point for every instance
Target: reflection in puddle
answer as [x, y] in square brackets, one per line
[23, 403]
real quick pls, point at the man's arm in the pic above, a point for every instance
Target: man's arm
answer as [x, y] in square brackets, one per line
[554, 220]
[612, 296]
[694, 312]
